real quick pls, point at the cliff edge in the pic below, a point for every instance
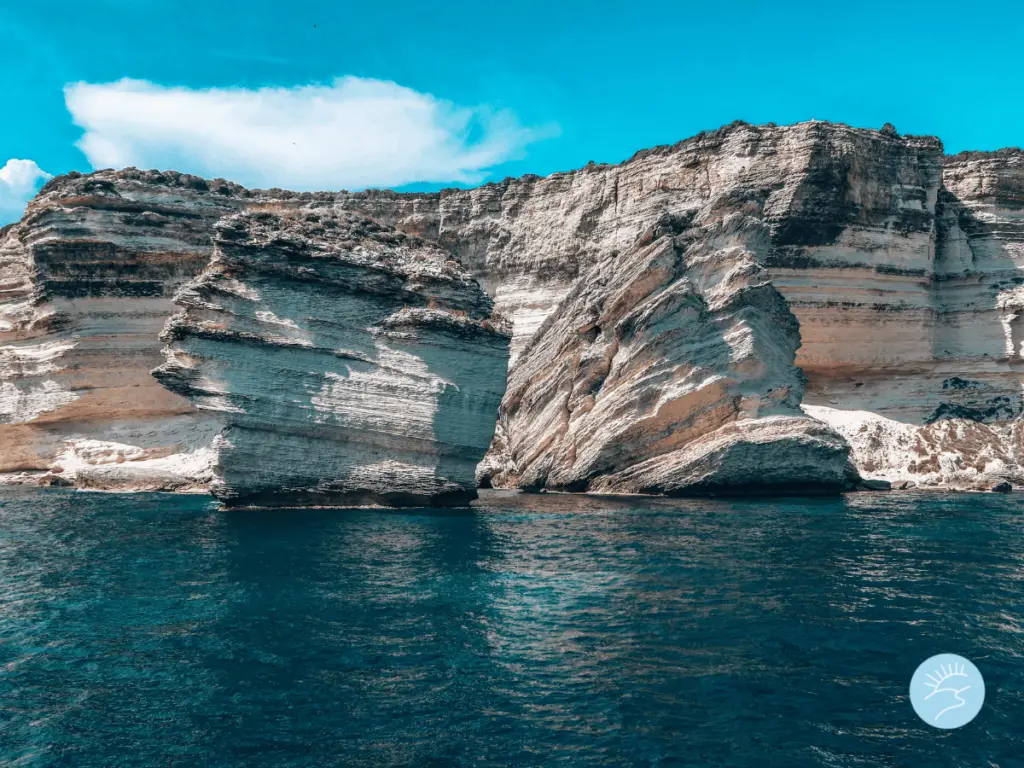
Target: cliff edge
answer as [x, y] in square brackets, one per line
[828, 303]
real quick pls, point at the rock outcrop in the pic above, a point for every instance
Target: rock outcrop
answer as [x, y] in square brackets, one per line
[669, 368]
[87, 279]
[652, 306]
[901, 265]
[350, 363]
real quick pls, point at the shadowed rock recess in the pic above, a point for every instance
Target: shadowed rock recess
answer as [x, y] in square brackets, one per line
[798, 308]
[352, 364]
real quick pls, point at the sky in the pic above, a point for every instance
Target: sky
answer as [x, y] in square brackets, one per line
[423, 95]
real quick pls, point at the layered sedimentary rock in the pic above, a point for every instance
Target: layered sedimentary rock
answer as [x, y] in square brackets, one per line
[795, 189]
[87, 280]
[908, 316]
[348, 362]
[901, 266]
[669, 368]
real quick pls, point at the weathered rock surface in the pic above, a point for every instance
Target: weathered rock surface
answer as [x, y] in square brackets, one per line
[350, 363]
[669, 368]
[911, 340]
[86, 280]
[901, 266]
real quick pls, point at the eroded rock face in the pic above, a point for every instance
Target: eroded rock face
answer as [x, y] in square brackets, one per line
[912, 347]
[88, 275]
[349, 362]
[901, 266]
[668, 368]
[770, 200]
[749, 193]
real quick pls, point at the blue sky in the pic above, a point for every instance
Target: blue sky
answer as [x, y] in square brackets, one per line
[309, 94]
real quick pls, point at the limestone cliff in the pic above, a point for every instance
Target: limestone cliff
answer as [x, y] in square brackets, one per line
[668, 368]
[652, 306]
[87, 280]
[909, 322]
[901, 266]
[349, 362]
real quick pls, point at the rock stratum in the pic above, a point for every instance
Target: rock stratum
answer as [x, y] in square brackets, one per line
[362, 359]
[87, 278]
[760, 308]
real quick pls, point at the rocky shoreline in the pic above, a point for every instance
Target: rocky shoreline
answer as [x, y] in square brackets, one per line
[758, 309]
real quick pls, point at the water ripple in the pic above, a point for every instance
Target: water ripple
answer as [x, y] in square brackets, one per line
[534, 630]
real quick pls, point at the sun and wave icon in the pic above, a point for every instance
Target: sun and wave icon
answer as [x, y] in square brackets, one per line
[947, 691]
[941, 675]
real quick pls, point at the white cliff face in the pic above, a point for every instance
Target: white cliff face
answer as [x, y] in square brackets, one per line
[350, 363]
[668, 368]
[87, 278]
[917, 363]
[901, 266]
[530, 238]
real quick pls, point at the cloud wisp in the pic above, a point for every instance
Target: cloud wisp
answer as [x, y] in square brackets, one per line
[19, 182]
[351, 134]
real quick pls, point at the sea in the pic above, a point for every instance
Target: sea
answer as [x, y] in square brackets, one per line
[529, 630]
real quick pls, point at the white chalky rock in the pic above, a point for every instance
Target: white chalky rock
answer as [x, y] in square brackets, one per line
[351, 364]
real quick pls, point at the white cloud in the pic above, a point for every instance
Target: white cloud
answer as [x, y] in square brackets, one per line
[353, 133]
[19, 182]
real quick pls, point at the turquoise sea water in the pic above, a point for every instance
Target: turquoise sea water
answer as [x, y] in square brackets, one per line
[534, 630]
